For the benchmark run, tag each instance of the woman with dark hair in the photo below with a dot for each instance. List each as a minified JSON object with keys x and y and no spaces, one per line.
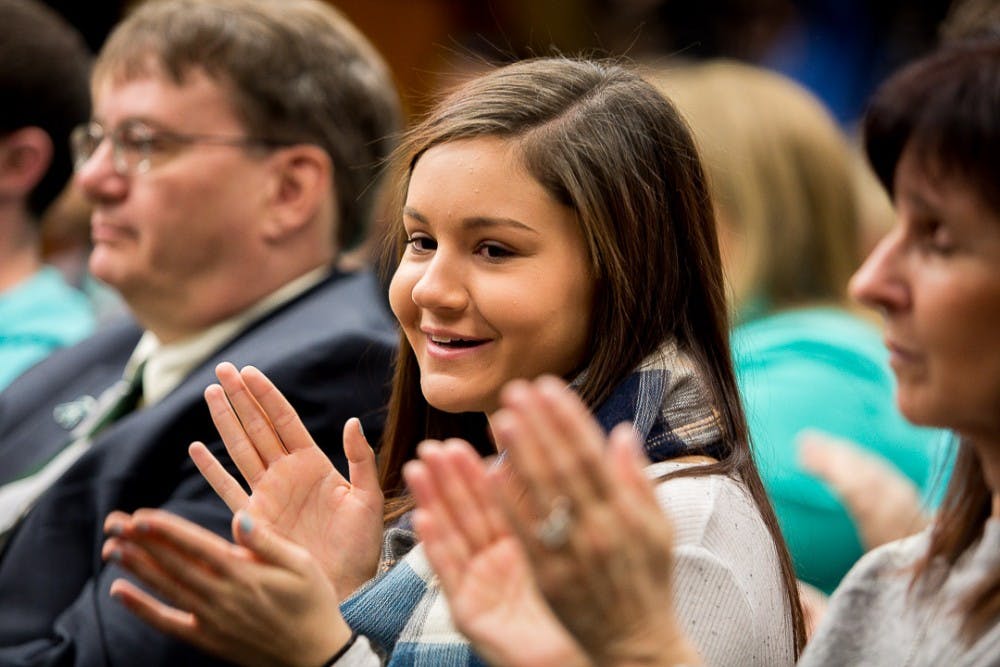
{"x":932,"y":134}
{"x":554,"y":220}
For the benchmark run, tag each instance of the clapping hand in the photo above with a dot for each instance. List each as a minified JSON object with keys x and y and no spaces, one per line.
{"x":294,"y":486}
{"x":266,"y":603}
{"x":599,"y":544}
{"x":480,"y":563}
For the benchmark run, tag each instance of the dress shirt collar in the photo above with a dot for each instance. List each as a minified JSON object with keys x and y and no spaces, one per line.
{"x":167,"y":365}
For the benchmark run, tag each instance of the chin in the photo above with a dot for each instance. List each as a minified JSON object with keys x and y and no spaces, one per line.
{"x":922,"y":410}
{"x":104,"y":269}
{"x":453,"y":398}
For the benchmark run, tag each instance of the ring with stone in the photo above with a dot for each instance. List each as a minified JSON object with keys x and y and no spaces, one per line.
{"x":553,"y":530}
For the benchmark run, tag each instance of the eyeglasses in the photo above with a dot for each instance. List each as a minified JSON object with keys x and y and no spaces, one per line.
{"x":136,"y":147}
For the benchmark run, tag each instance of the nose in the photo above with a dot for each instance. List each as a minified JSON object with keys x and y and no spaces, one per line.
{"x":881,"y":283}
{"x":98,"y":178}
{"x":441,"y":285}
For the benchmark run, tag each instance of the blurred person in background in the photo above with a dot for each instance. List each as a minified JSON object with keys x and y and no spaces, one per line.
{"x":785,"y":189}
{"x":44,"y":72}
{"x":233,"y":152}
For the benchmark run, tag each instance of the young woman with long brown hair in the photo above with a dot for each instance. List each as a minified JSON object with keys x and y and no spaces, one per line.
{"x":554,"y":220}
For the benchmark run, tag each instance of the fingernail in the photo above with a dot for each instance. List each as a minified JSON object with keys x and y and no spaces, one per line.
{"x":115,"y":555}
{"x":246,"y":523}
{"x":361,"y":429}
{"x":142,"y":527}
{"x":115,"y":530}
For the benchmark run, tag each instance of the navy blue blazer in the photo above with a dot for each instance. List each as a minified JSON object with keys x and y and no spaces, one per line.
{"x":329,"y":351}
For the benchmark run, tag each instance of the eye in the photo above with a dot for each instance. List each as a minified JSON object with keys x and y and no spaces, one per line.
{"x":494,"y":251}
{"x":421,"y":244}
{"x":934,"y":236}
{"x":139,"y":138}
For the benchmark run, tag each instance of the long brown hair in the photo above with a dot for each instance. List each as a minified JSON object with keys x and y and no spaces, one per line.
{"x":946,"y":108}
{"x":605,"y":143}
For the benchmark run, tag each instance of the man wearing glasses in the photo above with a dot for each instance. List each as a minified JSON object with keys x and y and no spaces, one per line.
{"x":231,"y":155}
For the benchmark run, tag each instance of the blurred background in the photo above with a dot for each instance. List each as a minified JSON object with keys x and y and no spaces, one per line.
{"x":839,"y":49}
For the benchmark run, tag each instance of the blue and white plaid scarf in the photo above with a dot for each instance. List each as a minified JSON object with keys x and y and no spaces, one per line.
{"x":402,"y":610}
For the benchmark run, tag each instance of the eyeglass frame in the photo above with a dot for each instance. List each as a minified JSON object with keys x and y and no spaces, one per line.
{"x":144,"y":147}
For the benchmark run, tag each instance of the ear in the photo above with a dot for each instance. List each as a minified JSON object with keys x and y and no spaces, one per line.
{"x":25,"y":156}
{"x":301,"y":190}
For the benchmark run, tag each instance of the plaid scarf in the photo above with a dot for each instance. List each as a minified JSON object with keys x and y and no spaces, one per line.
{"x":402,"y":611}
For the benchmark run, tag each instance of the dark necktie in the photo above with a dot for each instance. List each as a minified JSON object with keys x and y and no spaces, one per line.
{"x":129,"y":395}
{"x":19,"y":495}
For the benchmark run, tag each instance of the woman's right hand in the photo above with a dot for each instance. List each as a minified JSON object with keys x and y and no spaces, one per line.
{"x":294,"y":486}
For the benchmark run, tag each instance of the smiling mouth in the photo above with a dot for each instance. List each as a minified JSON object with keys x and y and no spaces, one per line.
{"x":456,"y":343}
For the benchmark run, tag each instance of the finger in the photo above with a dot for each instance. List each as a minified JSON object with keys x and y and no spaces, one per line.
{"x":552,"y":469}
{"x":166,"y":619}
{"x":635,"y":504}
{"x":841,"y":466}
{"x":582,"y":444}
{"x":182,"y":543}
{"x":224,"y":485}
{"x":519,"y":498}
{"x":254,"y":418}
{"x":627,"y":461}
{"x":234,"y":437}
{"x":280,"y":413}
{"x":470,"y":467}
{"x":445,"y":553}
{"x":360,"y":459}
{"x":149,"y":569}
{"x":455,"y":496}
{"x":117,"y":523}
{"x":428,"y":497}
{"x":268,"y":545}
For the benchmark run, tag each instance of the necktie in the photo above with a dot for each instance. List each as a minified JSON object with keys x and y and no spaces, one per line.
{"x":17,"y":497}
{"x":128,"y":394}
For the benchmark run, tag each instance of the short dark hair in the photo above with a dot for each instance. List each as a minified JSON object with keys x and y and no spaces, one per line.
{"x":44,"y":69}
{"x":298,"y":71}
{"x":946,"y":108}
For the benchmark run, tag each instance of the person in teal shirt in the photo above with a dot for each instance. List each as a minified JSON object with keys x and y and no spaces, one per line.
{"x":37,"y":317}
{"x":821,"y":369}
{"x":789,"y":201}
{"x":44,"y":83}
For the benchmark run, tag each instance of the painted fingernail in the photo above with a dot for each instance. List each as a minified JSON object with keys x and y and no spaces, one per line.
{"x":115,"y":555}
{"x":115,"y":530}
{"x":142,"y":527}
{"x":246,"y":523}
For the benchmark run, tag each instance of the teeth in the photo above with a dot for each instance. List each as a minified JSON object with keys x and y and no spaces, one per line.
{"x":437,"y":339}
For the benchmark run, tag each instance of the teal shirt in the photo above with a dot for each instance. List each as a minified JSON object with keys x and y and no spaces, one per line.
{"x":38,"y":316}
{"x":822,"y":369}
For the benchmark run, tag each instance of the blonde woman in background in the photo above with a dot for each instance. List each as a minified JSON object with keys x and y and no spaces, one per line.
{"x":788,"y":203}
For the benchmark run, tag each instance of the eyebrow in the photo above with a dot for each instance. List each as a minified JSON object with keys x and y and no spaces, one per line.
{"x":474,"y":222}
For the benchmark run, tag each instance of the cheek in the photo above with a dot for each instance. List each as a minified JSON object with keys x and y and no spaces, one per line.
{"x":559,"y":323}
{"x":400,"y":294}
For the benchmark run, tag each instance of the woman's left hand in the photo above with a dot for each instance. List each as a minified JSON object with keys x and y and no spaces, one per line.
{"x":481,"y":565}
{"x":266,"y":603}
{"x":599,"y":544}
